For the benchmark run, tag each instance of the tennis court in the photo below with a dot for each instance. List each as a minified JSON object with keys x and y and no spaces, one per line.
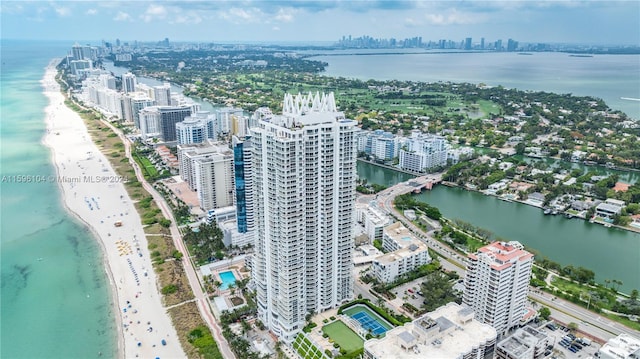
{"x":368,"y":320}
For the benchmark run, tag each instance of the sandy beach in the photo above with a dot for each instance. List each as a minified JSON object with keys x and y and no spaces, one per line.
{"x":96,"y":195}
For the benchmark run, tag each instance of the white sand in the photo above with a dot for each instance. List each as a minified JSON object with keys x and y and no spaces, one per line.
{"x":92,"y":191}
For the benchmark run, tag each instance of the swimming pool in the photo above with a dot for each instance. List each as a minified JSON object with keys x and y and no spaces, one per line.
{"x":368,"y":319}
{"x":227,"y":279}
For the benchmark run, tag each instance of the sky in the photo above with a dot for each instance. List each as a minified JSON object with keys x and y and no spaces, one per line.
{"x":561,"y":21}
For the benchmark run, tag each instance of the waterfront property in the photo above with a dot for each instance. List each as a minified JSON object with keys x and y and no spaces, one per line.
{"x":406,"y":253}
{"x":496,"y":271}
{"x":368,"y":320}
{"x":303,"y":194}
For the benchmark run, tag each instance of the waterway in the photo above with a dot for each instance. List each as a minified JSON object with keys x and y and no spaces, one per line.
{"x":613,"y":78}
{"x":611,"y":253}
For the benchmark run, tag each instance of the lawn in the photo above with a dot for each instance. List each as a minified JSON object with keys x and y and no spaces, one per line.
{"x":344,"y":336}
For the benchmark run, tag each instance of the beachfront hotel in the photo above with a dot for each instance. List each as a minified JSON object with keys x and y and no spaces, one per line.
{"x":448,"y":332}
{"x":304,"y":171}
{"x":497,"y":283}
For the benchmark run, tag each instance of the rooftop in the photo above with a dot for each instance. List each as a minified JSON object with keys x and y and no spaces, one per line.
{"x":447,"y":332}
{"x":502,"y":254}
{"x":400,"y":234}
{"x":623,"y":346}
{"x":412,"y":249}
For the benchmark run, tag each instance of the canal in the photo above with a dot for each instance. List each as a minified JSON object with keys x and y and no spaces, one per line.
{"x":610,"y":253}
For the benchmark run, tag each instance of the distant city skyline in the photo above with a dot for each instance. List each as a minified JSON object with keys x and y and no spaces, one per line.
{"x":568,"y":21}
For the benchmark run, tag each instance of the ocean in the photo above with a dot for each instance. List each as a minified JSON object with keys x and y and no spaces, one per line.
{"x":613,"y":78}
{"x":55,"y":300}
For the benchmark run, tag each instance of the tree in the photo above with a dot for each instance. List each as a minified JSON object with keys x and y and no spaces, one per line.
{"x":544,"y":313}
{"x":217,"y":285}
{"x":572,"y":326}
{"x":437,"y":291}
{"x":634,"y":295}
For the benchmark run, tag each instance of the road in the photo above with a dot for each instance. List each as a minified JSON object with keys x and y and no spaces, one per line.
{"x":593,"y":324}
{"x":201,"y":298}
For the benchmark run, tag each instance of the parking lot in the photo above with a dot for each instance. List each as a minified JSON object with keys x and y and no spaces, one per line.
{"x":568,"y":345}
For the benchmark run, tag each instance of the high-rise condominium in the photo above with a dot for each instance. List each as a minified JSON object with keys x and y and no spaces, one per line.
{"x":304,"y":171}
{"x":497,"y":283}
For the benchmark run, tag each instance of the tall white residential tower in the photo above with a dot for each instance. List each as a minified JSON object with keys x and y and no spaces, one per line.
{"x":304,"y":171}
{"x":497,"y":282}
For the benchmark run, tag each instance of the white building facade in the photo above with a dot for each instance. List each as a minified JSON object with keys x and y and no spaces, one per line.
{"x":304,"y":172}
{"x":406,"y":253}
{"x":373,"y":221}
{"x":423,"y":152}
{"x":497,"y":284}
{"x":214,"y":181}
{"x":624,"y":346}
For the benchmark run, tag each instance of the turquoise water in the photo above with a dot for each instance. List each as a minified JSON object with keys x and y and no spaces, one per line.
{"x":55,"y":297}
{"x":228,"y":279}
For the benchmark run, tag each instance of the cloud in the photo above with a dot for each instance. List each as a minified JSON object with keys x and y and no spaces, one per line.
{"x":190,"y":18}
{"x":11,"y":7}
{"x":122,"y":16}
{"x":154,"y":12}
{"x":244,"y":15}
{"x":91,"y":12}
{"x":455,"y":17}
{"x":62,"y":11}
{"x":285,"y":15}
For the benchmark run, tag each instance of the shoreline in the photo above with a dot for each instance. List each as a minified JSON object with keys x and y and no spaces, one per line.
{"x":91,"y":191}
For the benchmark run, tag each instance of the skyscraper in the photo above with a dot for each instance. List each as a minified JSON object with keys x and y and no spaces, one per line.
{"x":304,"y":171}
{"x":128,"y":82}
{"x":169,"y":117}
{"x":162,"y":94}
{"x":244,"y":183}
{"x":76,"y":51}
{"x":497,"y":283}
{"x":191,"y":130}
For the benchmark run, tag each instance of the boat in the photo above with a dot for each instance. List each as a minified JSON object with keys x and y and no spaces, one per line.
{"x":580,"y":55}
{"x":554,"y":212}
{"x":608,"y":225}
{"x":547,"y":211}
{"x":568,"y":215}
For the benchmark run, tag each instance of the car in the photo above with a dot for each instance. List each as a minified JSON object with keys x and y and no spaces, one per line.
{"x":571,"y":336}
{"x":410,"y":290}
{"x":419,"y":292}
{"x":551,"y":326}
{"x":572,"y":349}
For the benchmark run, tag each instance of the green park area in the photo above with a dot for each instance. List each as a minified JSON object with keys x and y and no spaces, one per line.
{"x":341,"y":334}
{"x":306,"y":349}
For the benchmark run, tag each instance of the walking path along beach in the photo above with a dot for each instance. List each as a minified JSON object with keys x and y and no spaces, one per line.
{"x":93,"y":192}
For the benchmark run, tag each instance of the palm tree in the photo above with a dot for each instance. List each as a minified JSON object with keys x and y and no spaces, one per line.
{"x":217,"y":285}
